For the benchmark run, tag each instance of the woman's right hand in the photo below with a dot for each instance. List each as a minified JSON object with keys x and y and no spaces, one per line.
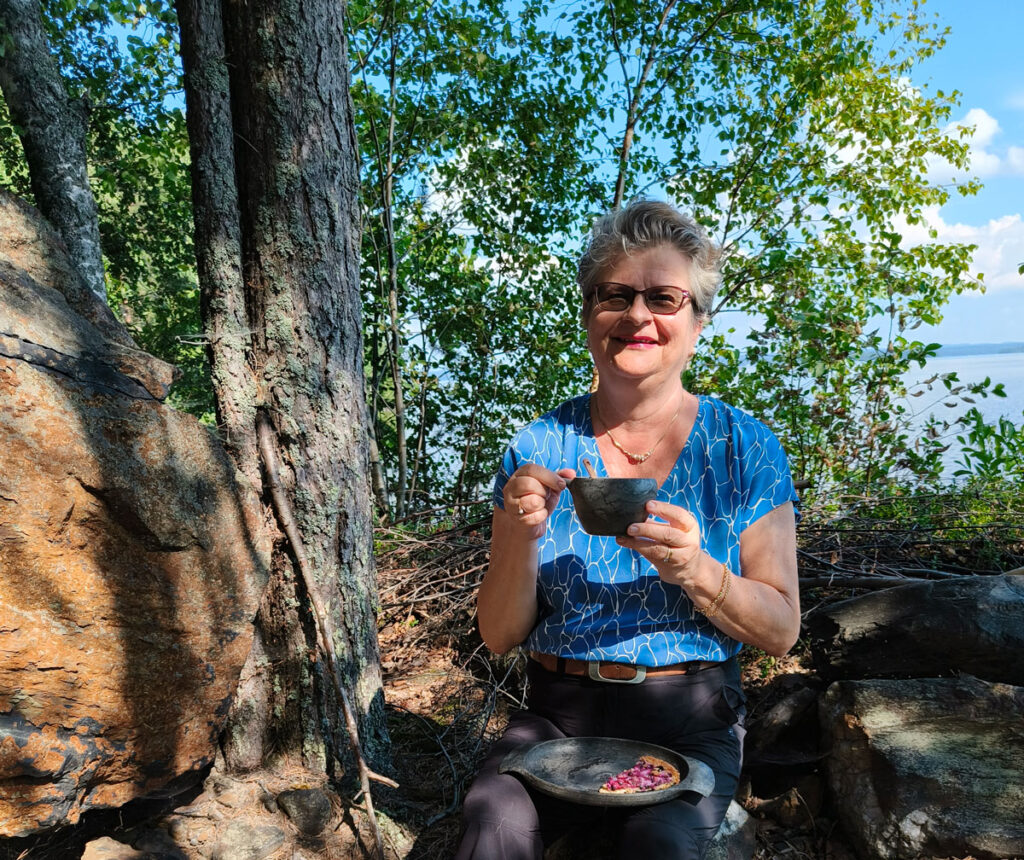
{"x":507,"y":600}
{"x":530,"y":495}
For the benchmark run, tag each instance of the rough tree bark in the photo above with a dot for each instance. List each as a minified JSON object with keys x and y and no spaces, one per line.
{"x":52,"y":129}
{"x":218,"y":241}
{"x":289,"y":346}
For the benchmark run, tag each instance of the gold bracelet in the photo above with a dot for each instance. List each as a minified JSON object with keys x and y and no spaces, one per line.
{"x":712,"y":608}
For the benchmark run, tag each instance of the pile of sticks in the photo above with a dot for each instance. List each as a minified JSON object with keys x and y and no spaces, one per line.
{"x":432,"y":573}
{"x":880,"y":542}
{"x":859,"y":543}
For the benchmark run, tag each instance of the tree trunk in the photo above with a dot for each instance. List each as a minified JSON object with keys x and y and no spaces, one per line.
{"x":632,"y":115}
{"x":377,"y":478}
{"x":394,"y":353}
{"x":52,"y":129}
{"x":218,"y":240}
{"x":421,"y":439}
{"x":297,"y":320}
{"x":395,"y":336}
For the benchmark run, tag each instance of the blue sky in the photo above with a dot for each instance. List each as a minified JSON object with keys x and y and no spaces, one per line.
{"x":981,"y":60}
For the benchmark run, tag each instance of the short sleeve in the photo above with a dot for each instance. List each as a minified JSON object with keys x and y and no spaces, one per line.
{"x":539,"y":442}
{"x":766,"y":478}
{"x":509,"y":463}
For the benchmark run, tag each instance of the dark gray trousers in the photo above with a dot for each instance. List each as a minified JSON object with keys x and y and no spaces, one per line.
{"x":699,"y":715}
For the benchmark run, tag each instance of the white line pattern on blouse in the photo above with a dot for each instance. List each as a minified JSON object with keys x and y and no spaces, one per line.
{"x":600,"y":601}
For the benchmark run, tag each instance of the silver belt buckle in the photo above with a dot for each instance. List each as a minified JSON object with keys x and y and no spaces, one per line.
{"x":594,"y":671}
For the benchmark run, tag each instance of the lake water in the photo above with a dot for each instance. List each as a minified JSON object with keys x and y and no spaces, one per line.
{"x":1007,"y":368}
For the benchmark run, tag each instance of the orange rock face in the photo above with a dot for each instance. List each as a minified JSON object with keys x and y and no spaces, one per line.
{"x":129,"y":573}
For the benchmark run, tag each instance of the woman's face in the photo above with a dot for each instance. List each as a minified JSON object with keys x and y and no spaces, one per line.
{"x":636,"y":343}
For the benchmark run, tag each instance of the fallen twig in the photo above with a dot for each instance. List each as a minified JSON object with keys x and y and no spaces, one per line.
{"x":265,"y":435}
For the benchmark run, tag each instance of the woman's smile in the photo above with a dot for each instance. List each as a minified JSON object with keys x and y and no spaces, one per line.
{"x":637,"y":341}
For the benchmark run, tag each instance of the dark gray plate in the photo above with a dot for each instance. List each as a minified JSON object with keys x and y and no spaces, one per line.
{"x":574,"y":769}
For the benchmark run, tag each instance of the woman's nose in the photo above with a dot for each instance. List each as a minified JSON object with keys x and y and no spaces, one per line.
{"x":638,"y":310}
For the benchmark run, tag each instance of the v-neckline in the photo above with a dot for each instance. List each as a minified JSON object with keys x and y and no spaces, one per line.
{"x":602,"y":469}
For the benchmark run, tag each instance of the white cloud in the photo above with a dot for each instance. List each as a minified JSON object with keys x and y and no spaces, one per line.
{"x":986,"y":159}
{"x":1000,"y":245}
{"x":1015,"y":159}
{"x":986,"y":126}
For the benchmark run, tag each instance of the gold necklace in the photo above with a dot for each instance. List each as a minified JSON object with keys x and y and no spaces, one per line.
{"x":636,"y":459}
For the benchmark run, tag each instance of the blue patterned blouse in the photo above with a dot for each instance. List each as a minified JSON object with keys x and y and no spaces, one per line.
{"x":600,"y":601}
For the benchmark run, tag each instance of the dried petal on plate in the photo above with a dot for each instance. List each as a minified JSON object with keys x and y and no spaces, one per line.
{"x":648,"y":774}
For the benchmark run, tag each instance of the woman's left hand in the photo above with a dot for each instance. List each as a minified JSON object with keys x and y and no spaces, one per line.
{"x":673,"y":546}
{"x":763,"y":606}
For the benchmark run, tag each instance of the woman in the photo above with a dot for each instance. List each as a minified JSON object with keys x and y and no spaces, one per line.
{"x":713,"y":566}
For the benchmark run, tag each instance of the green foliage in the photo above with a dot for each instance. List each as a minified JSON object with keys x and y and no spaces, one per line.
{"x":822,"y":150}
{"x":490,"y":136}
{"x":466,"y":177}
{"x":990,"y":451}
{"x":143,"y":192}
{"x":121,"y":59}
{"x":13,"y":167}
{"x":756,"y":664}
{"x":975,"y":526}
{"x":785,"y":127}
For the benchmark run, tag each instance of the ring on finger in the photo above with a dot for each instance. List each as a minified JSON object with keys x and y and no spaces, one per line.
{"x":519,"y":503}
{"x":668,"y":555}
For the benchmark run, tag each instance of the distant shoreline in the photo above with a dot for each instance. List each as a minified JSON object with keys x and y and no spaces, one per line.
{"x":1005,"y":348}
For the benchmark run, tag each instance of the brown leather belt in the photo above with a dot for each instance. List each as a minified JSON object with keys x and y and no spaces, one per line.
{"x":616,"y":673}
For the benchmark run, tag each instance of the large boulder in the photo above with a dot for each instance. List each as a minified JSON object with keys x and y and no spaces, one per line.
{"x":970,"y":624}
{"x":129,"y":571}
{"x":927,"y":767}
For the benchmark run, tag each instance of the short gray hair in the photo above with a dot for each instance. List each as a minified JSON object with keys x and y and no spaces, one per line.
{"x":643,"y":224}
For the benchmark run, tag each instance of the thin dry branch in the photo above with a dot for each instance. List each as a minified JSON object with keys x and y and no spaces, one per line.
{"x":286,"y":519}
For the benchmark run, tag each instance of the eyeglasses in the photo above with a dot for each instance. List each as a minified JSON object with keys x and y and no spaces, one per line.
{"x":659,"y":300}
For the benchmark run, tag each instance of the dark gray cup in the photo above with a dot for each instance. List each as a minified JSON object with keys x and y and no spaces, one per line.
{"x":608,"y":506}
